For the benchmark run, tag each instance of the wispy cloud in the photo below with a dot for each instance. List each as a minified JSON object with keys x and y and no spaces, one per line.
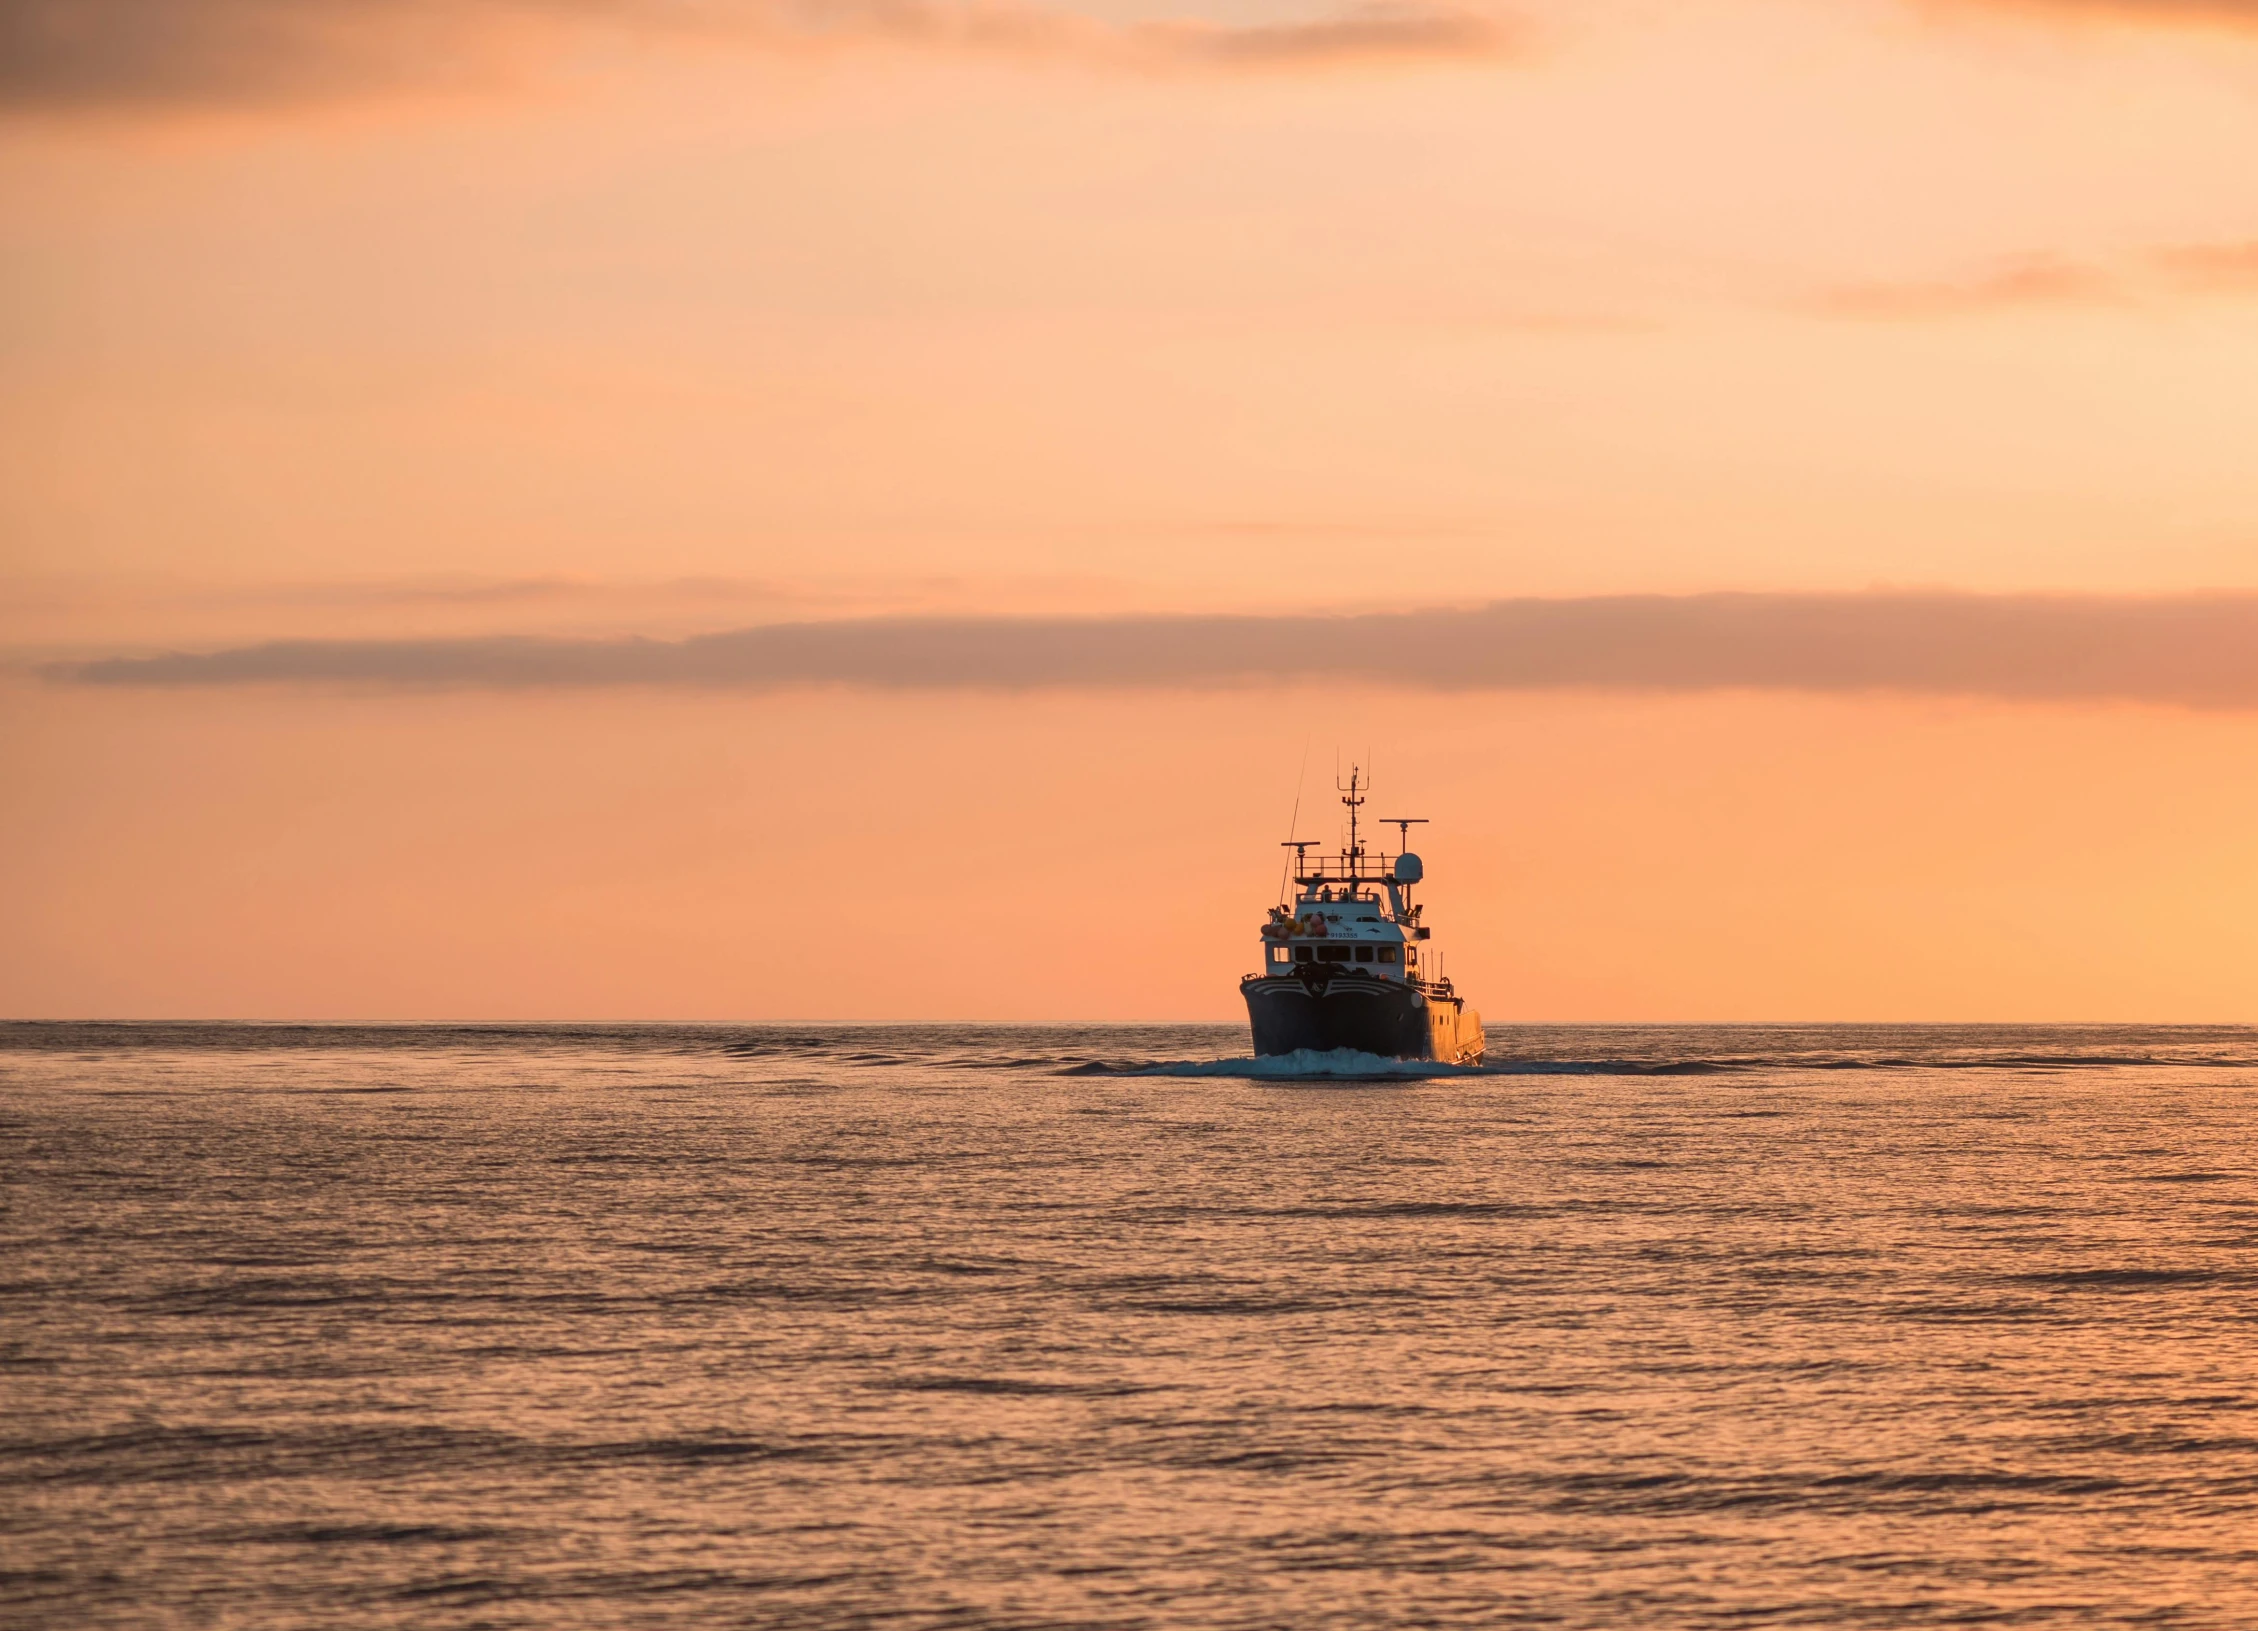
{"x":2218,"y":267}
{"x":1367,"y":34}
{"x":2221,"y":13}
{"x":2044,"y":280}
{"x":2191,"y":650}
{"x":88,"y":55}
{"x":2018,"y":282}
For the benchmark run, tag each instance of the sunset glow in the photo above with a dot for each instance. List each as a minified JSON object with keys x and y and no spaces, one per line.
{"x":1776,"y":483}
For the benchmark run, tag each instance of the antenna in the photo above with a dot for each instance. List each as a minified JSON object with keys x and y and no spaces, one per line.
{"x":1352,"y":796}
{"x":1403,"y":825}
{"x":1293,"y":826}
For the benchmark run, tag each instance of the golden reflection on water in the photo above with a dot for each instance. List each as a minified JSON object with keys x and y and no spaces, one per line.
{"x":933,"y":1328}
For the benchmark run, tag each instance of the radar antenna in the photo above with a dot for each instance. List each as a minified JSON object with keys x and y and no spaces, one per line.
{"x":1403,"y":825}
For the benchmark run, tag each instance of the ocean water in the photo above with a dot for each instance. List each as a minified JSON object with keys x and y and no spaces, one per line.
{"x":920,"y":1328}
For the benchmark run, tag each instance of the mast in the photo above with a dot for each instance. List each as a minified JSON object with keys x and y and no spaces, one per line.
{"x":1354,"y":799}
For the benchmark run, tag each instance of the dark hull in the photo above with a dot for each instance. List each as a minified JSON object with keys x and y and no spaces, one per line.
{"x":1355,"y":1010}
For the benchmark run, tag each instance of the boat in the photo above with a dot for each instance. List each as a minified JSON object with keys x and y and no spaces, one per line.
{"x":1346,"y":961}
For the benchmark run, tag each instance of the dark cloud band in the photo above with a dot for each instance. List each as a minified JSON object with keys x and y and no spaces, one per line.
{"x":2195,"y":650}
{"x":84,"y":55}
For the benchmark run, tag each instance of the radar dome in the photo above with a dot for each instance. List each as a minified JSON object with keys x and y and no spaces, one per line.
{"x":1408,"y":869}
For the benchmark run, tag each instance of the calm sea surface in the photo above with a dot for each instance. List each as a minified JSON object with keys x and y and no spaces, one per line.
{"x":922,"y":1328}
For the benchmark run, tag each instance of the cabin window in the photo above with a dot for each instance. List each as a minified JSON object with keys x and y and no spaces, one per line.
{"x":1333,"y":954}
{"x":1279,"y":954}
{"x":1305,"y":954}
{"x":1364,"y":954}
{"x":1387,"y":954}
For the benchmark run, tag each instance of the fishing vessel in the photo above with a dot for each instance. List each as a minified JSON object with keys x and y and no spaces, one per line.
{"x":1346,"y":961}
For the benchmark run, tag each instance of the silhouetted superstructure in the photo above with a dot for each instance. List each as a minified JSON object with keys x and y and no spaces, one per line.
{"x":1346,"y":963}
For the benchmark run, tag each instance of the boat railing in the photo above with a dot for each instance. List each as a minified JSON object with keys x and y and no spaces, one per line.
{"x":1373,"y":866}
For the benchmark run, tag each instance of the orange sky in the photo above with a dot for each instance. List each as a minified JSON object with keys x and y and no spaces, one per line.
{"x":387,"y":320}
